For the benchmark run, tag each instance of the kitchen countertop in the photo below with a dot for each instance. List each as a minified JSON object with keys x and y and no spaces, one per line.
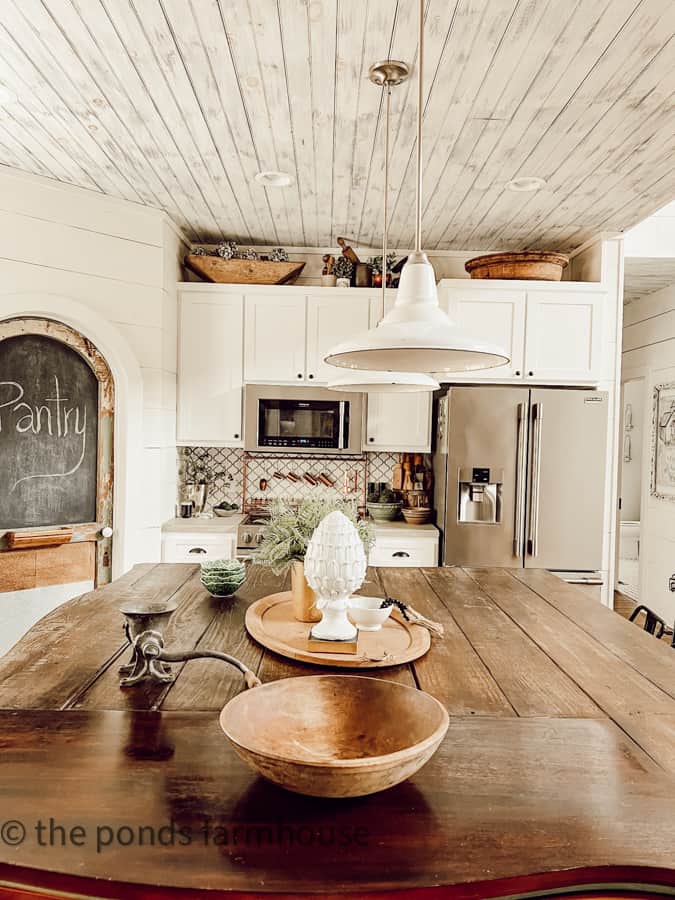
{"x":557,"y":769}
{"x":228,"y":525}
{"x":194,"y":525}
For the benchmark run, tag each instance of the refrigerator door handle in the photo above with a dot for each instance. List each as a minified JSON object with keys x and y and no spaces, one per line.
{"x":521,"y":470}
{"x":537,"y":417}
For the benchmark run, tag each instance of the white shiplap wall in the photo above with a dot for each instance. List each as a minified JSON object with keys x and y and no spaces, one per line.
{"x":649,"y":353}
{"x":119,"y":261}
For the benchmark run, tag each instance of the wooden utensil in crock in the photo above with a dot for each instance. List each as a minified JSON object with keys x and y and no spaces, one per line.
{"x":335,"y":735}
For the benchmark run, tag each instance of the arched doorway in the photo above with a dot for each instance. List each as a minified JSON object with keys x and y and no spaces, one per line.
{"x":57,"y":401}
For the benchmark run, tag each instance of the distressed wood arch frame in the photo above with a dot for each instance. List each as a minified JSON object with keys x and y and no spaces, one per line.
{"x":85,"y":531}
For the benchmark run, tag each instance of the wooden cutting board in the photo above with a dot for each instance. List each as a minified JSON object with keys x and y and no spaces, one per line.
{"x":270,"y":621}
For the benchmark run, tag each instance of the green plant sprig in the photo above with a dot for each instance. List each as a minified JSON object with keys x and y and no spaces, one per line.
{"x":286,"y":537}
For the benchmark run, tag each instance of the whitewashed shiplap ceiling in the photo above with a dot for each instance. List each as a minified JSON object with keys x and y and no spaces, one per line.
{"x":645,"y":275}
{"x":178,"y":103}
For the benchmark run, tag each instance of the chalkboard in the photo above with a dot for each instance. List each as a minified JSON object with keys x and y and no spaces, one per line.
{"x":48,"y":434}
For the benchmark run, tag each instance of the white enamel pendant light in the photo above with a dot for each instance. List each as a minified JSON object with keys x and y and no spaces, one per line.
{"x":416,"y":335}
{"x":384,"y":74}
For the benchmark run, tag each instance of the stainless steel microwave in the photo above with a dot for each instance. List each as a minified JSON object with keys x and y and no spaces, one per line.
{"x":301,"y":420}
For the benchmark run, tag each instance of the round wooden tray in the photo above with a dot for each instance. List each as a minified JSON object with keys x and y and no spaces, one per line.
{"x":270,"y":622}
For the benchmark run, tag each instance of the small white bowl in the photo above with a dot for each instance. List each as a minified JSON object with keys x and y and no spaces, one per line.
{"x":367,"y":614}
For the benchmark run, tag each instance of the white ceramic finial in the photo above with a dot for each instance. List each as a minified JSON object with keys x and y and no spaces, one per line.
{"x":335,"y":566}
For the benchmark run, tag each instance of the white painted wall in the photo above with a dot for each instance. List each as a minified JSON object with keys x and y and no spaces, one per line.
{"x":654,"y":237}
{"x":649,"y":353}
{"x":108,"y":268}
{"x":632,"y":439}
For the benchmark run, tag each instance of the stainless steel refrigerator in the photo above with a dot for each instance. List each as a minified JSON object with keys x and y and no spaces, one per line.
{"x":520,"y":477}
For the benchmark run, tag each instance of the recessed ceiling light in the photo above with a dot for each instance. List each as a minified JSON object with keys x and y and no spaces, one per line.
{"x":525,"y":183}
{"x":274,"y":179}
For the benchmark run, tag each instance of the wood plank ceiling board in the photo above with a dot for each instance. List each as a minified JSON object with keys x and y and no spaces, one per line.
{"x":177,"y":104}
{"x":439,"y":18}
{"x":645,"y":275}
{"x":605,"y":105}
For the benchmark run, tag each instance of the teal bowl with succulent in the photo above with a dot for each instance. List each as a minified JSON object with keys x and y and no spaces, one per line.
{"x":222,"y":577}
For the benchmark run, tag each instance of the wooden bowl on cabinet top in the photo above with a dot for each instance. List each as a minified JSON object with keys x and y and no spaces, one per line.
{"x":335,"y":735}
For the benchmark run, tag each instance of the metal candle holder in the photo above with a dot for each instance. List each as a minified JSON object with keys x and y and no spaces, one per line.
{"x":146,"y":621}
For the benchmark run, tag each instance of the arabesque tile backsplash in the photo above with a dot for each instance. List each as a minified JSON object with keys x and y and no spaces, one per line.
{"x":238,"y":477}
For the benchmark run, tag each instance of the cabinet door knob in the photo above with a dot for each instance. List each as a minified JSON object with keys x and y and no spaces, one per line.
{"x":530,"y":374}
{"x":371,"y":440}
{"x":299,"y":374}
{"x":236,"y":437}
{"x":518,"y":372}
{"x":311,"y":376}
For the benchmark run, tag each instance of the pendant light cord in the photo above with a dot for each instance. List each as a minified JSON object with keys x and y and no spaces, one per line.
{"x":420,"y":67}
{"x":386,"y":87}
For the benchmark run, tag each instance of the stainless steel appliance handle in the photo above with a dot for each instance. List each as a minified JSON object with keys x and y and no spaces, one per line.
{"x":521,"y":469}
{"x":341,"y":435}
{"x":537,"y":417}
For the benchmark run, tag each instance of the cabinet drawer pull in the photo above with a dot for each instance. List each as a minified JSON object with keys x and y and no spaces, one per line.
{"x":401,"y":553}
{"x":197,"y":550}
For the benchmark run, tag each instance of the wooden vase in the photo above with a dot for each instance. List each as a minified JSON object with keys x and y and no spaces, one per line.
{"x":304,"y":598}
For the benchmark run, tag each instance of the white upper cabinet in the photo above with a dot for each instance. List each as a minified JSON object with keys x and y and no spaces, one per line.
{"x":498,"y":317}
{"x":552,"y":332}
{"x":210,"y":369}
{"x":275,"y":338}
{"x":331,"y":319}
{"x":398,"y":422}
{"x":564,"y":339}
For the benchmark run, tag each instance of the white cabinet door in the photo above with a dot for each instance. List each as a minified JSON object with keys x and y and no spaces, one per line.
{"x":564,"y":336}
{"x":497,"y":316}
{"x":331,"y":319}
{"x":210,"y":369}
{"x":398,"y":422}
{"x":275,"y":338}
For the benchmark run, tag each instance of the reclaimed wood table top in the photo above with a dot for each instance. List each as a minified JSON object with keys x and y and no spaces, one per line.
{"x":557,"y":768}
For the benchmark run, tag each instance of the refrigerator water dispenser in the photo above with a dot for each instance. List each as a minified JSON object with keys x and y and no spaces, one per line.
{"x":480,"y":496}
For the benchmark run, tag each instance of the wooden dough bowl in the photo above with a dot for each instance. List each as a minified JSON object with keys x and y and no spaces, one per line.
{"x":530,"y":265}
{"x":335,"y":735}
{"x":243,"y":271}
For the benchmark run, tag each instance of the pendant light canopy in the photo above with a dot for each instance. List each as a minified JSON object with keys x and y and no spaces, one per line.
{"x":416,"y":335}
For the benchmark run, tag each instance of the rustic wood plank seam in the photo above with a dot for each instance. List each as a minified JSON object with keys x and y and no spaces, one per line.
{"x":375,"y":572}
{"x":528,"y":637}
{"x":634,"y":740}
{"x":494,"y":681}
{"x":264,"y":652}
{"x":581,"y":625}
{"x":474,"y":648}
{"x":76,"y":600}
{"x":81,"y":691}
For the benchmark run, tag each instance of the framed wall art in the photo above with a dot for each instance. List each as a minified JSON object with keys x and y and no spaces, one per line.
{"x":663,"y":442}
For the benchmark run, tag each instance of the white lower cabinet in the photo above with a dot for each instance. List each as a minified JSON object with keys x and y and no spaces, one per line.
{"x":404,"y":549}
{"x":197,"y":548}
{"x":398,"y":423}
{"x":210,"y":369}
